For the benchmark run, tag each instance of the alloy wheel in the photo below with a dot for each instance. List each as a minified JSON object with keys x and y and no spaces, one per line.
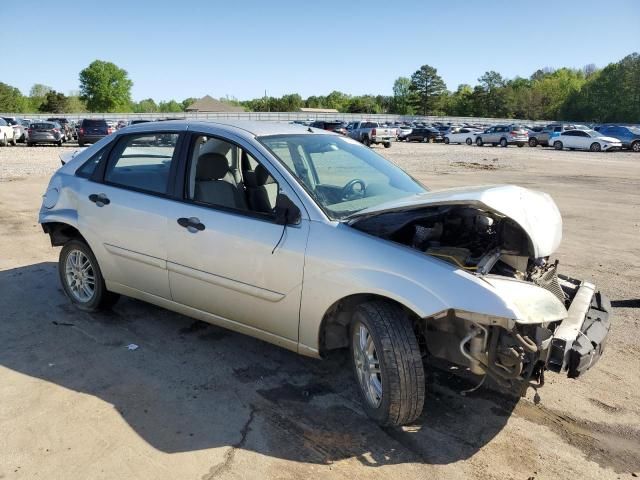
{"x":80,"y":276}
{"x":367,"y":365}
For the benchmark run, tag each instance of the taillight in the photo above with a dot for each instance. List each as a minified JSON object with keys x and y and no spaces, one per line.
{"x":82,"y":131}
{"x":373,"y":132}
{"x":29,"y":131}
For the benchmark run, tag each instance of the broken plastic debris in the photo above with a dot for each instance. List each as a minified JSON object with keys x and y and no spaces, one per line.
{"x":132,"y":346}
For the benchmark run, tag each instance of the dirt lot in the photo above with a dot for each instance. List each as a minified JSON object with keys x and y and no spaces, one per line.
{"x":198,"y":402}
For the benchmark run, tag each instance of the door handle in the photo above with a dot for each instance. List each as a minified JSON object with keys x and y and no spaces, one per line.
{"x":100,"y":199}
{"x":192,"y":224}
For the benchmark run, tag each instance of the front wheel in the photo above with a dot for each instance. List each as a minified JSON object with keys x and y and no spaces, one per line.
{"x":635,"y":146}
{"x":468,"y":141}
{"x":387,"y":363}
{"x":479,"y":141}
{"x":446,"y":140}
{"x":533,"y":142}
{"x":595,"y":147}
{"x":557,"y":145}
{"x":82,"y":279}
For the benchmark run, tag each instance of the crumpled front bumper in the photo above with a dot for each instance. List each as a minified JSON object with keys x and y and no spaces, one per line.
{"x":579,"y":341}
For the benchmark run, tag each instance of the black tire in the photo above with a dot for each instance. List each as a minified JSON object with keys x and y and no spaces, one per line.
{"x":533,"y":142}
{"x":468,"y":141}
{"x":557,"y":145}
{"x":80,"y":143}
{"x":503,"y":143}
{"x":520,"y":145}
{"x":635,"y":146}
{"x":479,"y":142}
{"x":30,"y":144}
{"x":59,"y":143}
{"x":595,"y":147}
{"x":387,"y":144}
{"x":446,"y":140}
{"x":102,"y":298}
{"x":366,"y":142}
{"x":401,"y":372}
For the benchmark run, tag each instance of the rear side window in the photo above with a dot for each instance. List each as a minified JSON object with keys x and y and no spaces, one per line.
{"x":93,"y":123}
{"x":90,"y":165}
{"x":142,"y":162}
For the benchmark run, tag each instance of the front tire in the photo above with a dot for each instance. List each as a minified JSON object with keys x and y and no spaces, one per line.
{"x":387,"y":363}
{"x":446,"y":140}
{"x":557,"y":145}
{"x":635,"y":146}
{"x":479,"y":141}
{"x":82,"y":279}
{"x":468,"y":141}
{"x":533,"y":142}
{"x":595,"y":147}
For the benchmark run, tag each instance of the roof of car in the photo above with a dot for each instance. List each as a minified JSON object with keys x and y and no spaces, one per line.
{"x":242,"y":127}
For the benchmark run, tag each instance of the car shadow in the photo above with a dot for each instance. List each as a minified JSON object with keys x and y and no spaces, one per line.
{"x":626,"y":303}
{"x":189,"y":385}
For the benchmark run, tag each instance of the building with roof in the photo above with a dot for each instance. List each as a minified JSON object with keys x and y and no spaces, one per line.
{"x":209,"y":104}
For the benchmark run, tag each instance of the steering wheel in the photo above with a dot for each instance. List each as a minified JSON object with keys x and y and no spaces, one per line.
{"x":348,"y":192}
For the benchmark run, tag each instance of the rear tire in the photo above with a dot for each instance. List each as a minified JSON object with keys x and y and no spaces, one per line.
{"x":366,"y":142}
{"x":595,"y":147}
{"x":520,"y":145}
{"x":503,"y":142}
{"x":533,"y":142}
{"x":96,"y":297}
{"x":446,"y":140}
{"x":387,"y":363}
{"x":558,"y":145}
{"x":387,"y":144}
{"x":468,"y":141}
{"x":80,"y":143}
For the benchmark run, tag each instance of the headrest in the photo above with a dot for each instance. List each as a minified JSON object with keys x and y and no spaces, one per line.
{"x":262,"y":176}
{"x":212,"y":166}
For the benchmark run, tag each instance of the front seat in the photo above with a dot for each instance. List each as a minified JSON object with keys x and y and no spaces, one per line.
{"x":262,"y":190}
{"x":215,"y":184}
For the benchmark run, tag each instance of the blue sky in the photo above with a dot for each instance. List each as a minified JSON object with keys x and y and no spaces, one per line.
{"x":192,"y":48}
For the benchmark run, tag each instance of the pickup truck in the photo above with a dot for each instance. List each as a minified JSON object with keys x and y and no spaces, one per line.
{"x":371,"y":133}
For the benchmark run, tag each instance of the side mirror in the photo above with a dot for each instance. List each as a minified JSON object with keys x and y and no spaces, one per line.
{"x":287,"y":212}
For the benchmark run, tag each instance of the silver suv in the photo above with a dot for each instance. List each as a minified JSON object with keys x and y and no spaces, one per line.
{"x":503,"y":135}
{"x":311,"y":241}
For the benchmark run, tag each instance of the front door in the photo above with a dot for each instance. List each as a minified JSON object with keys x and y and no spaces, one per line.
{"x":226,"y":254}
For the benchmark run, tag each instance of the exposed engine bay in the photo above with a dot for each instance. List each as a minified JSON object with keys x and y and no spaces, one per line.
{"x":483,"y":242}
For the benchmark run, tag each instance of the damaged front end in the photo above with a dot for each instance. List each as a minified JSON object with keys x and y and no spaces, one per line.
{"x":504,"y":236}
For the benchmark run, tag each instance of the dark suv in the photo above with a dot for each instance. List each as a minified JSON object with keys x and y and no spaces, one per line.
{"x":424,"y":134}
{"x":91,"y":130}
{"x":629,"y":136}
{"x":336,"y":126}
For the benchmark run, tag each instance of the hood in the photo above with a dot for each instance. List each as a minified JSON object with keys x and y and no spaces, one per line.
{"x":535,"y":212}
{"x":609,"y":139}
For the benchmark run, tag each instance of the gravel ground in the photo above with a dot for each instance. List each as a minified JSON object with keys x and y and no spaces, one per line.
{"x":195,"y":401}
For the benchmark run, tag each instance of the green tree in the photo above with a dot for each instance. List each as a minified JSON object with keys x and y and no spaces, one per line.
{"x":12,"y":100}
{"x":187,"y":102}
{"x":55,"y":102}
{"x":402,"y":96}
{"x":105,"y":87}
{"x":492,"y":84}
{"x":75,"y":105}
{"x":170,"y":107}
{"x":427,"y":86}
{"x":148,"y":105}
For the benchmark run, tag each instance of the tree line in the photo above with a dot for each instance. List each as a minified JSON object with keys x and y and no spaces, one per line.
{"x":610,"y":94}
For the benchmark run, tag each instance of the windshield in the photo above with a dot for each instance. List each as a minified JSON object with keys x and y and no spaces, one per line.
{"x":635,"y":130}
{"x":342,"y":175}
{"x":593,"y":133}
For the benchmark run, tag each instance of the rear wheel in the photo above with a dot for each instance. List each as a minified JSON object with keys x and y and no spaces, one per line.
{"x":520,"y":145}
{"x":82,"y":279}
{"x":533,"y":142}
{"x":557,"y":145}
{"x":468,"y":141}
{"x":479,"y":141}
{"x":366,"y":141}
{"x":387,"y":144}
{"x":387,"y":363}
{"x":59,"y":143}
{"x":595,"y":147}
{"x":80,"y":143}
{"x":503,"y":142}
{"x":446,"y":140}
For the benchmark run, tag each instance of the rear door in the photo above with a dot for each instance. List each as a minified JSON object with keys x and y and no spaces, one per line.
{"x":123,"y":210}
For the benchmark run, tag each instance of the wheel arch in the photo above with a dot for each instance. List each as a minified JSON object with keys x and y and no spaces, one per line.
{"x":334,"y":327}
{"x":61,"y":232}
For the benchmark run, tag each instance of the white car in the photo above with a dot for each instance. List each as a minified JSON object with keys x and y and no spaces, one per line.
{"x":463,"y":135}
{"x":7,"y":134}
{"x":585,"y":140}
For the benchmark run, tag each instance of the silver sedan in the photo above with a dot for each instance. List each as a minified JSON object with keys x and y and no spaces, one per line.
{"x":313,"y":242}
